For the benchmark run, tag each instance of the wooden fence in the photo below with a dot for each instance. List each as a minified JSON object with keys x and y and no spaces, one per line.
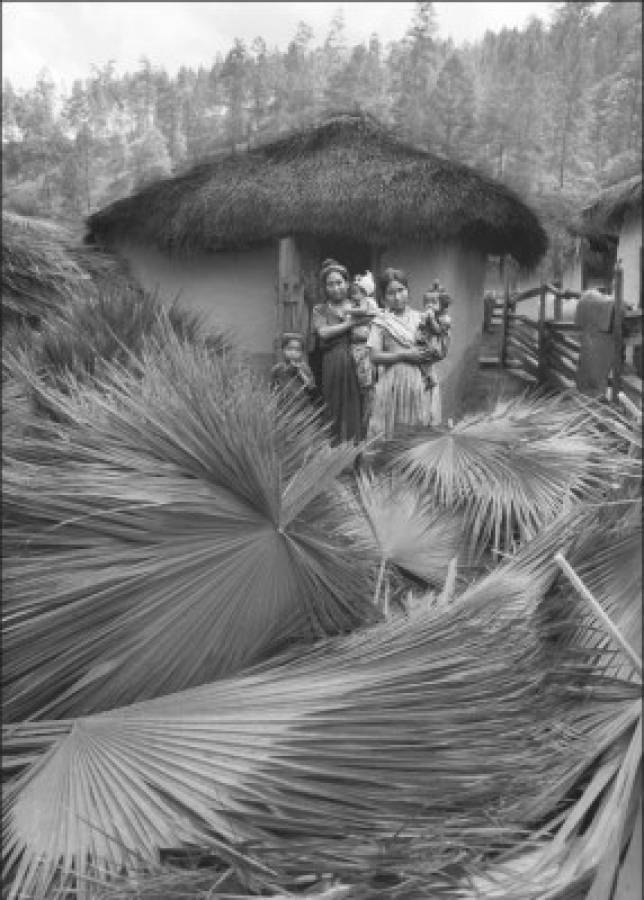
{"x":545,"y":350}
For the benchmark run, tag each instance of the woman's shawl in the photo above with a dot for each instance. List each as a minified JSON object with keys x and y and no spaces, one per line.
{"x":403,"y":331}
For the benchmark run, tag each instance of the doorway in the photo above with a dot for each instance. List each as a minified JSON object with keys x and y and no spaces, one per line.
{"x":357,"y":256}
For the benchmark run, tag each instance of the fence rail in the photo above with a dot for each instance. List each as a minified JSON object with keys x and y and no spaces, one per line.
{"x":546,"y":350}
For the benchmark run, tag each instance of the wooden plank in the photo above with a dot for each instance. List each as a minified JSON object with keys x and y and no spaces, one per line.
{"x":528,"y":337}
{"x":290,"y":287}
{"x":525,"y":376}
{"x":527,"y":295}
{"x":525,"y":320}
{"x":523,"y":347}
{"x":506,"y":311}
{"x":561,"y":353}
{"x":617,"y":331}
{"x":564,"y":326}
{"x":531,"y":366}
{"x":564,"y":348}
{"x":561,"y":381}
{"x":561,"y":365}
{"x":632,"y":387}
{"x":563,"y":339}
{"x":543,"y":335}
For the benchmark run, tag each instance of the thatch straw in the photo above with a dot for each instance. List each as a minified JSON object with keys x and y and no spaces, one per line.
{"x":604,"y":216}
{"x":408,"y":752}
{"x":349,"y":177}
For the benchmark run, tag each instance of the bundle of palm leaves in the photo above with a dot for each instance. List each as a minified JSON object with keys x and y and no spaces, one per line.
{"x":38,"y":273}
{"x":414,"y":749}
{"x":110,"y":326}
{"x":176,"y":524}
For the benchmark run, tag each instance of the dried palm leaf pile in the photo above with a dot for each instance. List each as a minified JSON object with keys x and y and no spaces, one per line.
{"x":38,"y":273}
{"x":193,"y":659}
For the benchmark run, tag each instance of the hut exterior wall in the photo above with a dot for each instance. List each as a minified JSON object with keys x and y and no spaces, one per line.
{"x":462,"y":272}
{"x":629,"y":250}
{"x":571,"y":277}
{"x":233,"y":291}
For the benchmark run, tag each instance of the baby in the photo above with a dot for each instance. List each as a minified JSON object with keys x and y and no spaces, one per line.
{"x":363,"y":309}
{"x":293,"y":371}
{"x":434,"y":330}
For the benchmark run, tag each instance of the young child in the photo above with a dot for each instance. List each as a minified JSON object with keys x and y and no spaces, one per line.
{"x":434,"y":330}
{"x":293,"y":372}
{"x":363,"y":308}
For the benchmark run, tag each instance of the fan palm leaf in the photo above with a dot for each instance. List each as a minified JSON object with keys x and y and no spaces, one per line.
{"x":170,"y":531}
{"x":603,"y":543}
{"x":407,"y":747}
{"x":409,"y":533}
{"x":513,"y":471}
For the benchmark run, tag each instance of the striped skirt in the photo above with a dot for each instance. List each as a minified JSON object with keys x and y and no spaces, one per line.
{"x":401,"y":400}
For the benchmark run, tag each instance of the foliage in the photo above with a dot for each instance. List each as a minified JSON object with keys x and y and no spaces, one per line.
{"x":332,"y":759}
{"x":39,"y":275}
{"x":174,"y":527}
{"x":179,"y":523}
{"x":512,"y":471}
{"x":410,"y":534}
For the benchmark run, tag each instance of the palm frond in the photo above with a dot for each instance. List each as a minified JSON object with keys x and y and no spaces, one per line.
{"x":412,"y":749}
{"x":410,"y":533}
{"x":39,"y":276}
{"x":176,"y":525}
{"x":110,"y":327}
{"x":515,"y":470}
{"x":604,"y":545}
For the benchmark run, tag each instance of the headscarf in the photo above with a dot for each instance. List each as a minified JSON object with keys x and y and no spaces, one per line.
{"x":292,"y":336}
{"x":390,"y":274}
{"x":332,"y":265}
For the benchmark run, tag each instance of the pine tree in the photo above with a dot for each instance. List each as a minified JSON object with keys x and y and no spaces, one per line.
{"x":234,"y":76}
{"x":414,"y":66}
{"x":453,"y":109}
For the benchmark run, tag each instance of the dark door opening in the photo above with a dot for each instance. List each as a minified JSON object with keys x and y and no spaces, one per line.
{"x":357,"y":256}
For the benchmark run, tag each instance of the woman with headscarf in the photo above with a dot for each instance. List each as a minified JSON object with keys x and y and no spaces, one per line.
{"x":331,"y":324}
{"x":402,"y":399}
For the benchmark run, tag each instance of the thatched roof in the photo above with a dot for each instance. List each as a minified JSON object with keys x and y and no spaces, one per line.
{"x":347,"y":178}
{"x":45,"y":266}
{"x":604,"y":216}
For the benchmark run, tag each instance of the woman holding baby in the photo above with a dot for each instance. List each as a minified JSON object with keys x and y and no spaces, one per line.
{"x":406,"y":396}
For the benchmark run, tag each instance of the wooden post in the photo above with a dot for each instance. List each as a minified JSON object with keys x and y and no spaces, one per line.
{"x":618,"y":340}
{"x":290,"y":290}
{"x":542,"y":337}
{"x":506,"y":313}
{"x":582,"y":265}
{"x":558,"y":307}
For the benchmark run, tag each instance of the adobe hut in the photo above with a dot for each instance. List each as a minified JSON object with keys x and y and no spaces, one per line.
{"x":242,"y":236}
{"x":615,"y":216}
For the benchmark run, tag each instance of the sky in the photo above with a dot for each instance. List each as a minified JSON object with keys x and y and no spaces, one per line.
{"x":67,"y":38}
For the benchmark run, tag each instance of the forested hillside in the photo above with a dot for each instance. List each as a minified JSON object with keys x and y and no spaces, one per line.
{"x":555,"y":110}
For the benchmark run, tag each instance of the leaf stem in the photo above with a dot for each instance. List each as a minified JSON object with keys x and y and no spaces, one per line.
{"x":606,"y":621}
